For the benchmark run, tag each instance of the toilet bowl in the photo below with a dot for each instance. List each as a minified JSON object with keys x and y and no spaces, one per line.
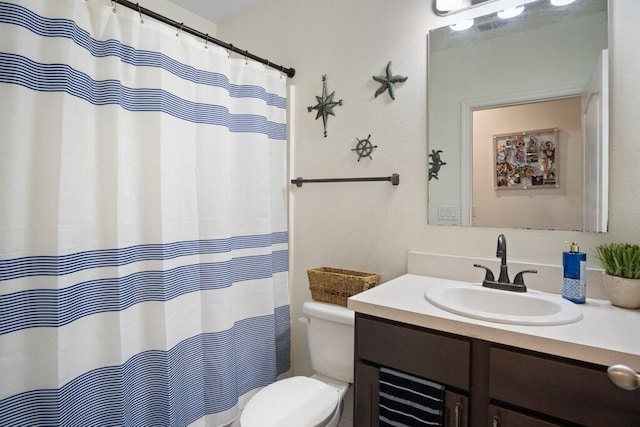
{"x":297,"y":402}
{"x":317,"y":400}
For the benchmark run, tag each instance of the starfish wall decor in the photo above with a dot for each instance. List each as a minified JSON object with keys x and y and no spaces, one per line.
{"x":325,"y":104}
{"x":388,"y":82}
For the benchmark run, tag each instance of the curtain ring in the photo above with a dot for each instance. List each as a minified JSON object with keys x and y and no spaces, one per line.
{"x":229,"y":50}
{"x":140,"y":13}
{"x":179,"y":29}
{"x":246,"y":61}
{"x":206,"y":41}
{"x":114,"y":3}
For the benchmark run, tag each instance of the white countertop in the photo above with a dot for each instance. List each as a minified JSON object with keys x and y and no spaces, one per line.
{"x":606,"y":335}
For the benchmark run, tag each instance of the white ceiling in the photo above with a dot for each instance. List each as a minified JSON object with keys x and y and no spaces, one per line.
{"x":216,"y":11}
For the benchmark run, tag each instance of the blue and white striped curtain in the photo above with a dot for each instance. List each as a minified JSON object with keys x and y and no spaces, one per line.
{"x":143,"y":228}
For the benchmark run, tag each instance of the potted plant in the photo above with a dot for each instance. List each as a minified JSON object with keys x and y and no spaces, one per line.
{"x":621,"y":263}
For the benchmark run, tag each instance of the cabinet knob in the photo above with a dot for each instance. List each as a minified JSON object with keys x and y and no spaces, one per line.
{"x":624,"y":377}
{"x":496,"y":421}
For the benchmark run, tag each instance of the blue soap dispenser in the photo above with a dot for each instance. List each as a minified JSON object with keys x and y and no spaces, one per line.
{"x":574,"y":282}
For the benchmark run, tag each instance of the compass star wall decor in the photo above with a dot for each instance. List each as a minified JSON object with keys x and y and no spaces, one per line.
{"x":388,"y":82}
{"x":325,"y":104}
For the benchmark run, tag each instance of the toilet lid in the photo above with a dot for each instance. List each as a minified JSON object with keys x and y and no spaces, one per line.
{"x":295,"y":401}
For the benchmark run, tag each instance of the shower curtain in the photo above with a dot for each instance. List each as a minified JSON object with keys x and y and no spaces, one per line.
{"x":143,"y":228}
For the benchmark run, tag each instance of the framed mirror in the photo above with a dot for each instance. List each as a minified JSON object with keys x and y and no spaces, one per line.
{"x":544,"y":69}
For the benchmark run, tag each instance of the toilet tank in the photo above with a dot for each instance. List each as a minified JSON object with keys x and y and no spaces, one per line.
{"x":330,"y":333}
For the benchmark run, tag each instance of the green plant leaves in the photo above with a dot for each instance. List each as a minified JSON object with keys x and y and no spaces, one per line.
{"x":620,"y":259}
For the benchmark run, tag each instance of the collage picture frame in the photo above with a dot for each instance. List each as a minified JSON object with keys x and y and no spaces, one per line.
{"x":526,"y":160}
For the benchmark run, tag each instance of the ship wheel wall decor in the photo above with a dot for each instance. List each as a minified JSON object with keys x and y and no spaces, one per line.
{"x":364,"y":148}
{"x":325,"y":104}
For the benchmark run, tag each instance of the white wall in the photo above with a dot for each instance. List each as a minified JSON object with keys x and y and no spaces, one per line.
{"x":174,"y":12}
{"x":371,"y":226}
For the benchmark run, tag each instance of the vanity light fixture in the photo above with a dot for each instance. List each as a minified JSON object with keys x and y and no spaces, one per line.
{"x":469,"y":9}
{"x":511,"y":13}
{"x":561,"y":2}
{"x":462,"y":25}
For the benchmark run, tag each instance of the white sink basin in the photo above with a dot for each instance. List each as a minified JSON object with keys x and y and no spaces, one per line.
{"x":526,"y":308}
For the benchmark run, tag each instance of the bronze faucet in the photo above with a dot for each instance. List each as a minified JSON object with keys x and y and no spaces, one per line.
{"x":503,"y":281}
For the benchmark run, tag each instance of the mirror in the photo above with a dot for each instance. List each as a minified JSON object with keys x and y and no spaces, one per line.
{"x":500,"y":94}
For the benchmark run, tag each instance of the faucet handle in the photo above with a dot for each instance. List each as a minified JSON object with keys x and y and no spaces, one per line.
{"x":519,"y":280}
{"x":488,"y":275}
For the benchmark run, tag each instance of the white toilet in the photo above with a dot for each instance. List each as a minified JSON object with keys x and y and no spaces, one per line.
{"x":316,"y":400}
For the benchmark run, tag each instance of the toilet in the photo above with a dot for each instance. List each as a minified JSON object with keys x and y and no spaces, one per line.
{"x":317,"y":400}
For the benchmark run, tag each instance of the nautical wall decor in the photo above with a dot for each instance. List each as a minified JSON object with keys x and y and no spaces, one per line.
{"x":435,"y":164}
{"x":364,"y":148}
{"x":388,"y":81}
{"x":325,"y":104}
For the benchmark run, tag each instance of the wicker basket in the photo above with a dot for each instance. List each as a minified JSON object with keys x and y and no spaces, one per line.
{"x":335,"y":285}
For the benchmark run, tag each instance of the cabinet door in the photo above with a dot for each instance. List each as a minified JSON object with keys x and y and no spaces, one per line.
{"x":366,"y":390}
{"x":456,"y":410}
{"x":500,"y":417}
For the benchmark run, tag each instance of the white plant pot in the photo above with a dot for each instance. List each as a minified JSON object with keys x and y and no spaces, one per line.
{"x":622,"y":292}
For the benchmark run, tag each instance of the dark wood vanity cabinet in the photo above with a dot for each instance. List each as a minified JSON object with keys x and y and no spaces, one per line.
{"x":565,"y":389}
{"x":409,"y":349}
{"x":488,"y":384}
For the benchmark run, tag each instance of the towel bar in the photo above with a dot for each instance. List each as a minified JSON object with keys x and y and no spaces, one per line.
{"x":394,"y":179}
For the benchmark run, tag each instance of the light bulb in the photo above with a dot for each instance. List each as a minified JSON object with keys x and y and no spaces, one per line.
{"x":446,"y":5}
{"x":511,"y":13}
{"x":462,"y":25}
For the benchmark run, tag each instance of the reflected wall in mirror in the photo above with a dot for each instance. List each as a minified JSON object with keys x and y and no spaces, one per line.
{"x":546,"y":68}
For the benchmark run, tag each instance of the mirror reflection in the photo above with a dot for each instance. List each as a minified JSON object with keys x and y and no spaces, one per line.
{"x":518,"y":111}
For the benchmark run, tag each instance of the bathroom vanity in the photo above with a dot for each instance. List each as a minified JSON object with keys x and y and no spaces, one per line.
{"x":496,"y":374}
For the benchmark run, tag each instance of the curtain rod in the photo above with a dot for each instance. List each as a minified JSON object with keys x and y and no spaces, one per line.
{"x":290,"y":72}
